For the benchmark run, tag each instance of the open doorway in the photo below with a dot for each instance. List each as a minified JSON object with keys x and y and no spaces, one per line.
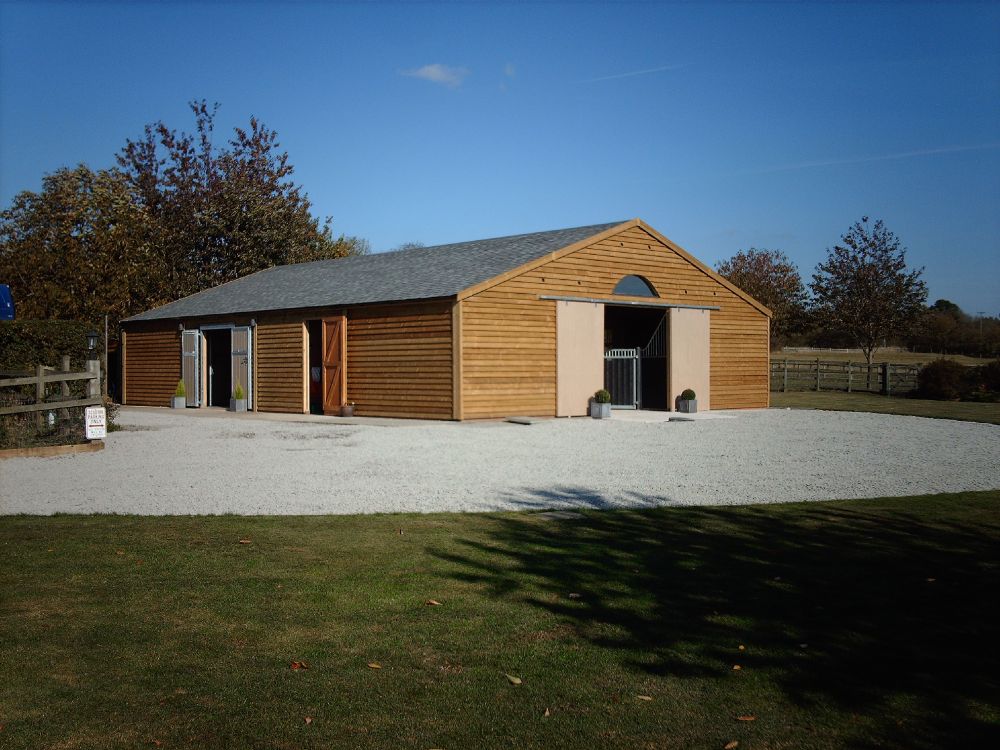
{"x":314,"y":328}
{"x":218,"y":358}
{"x":635,"y":345}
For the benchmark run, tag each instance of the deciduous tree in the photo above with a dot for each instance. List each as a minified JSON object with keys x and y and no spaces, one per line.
{"x":79,"y":248}
{"x":223,"y":212}
{"x":180,"y":215}
{"x":865,"y":288}
{"x":771,"y":278}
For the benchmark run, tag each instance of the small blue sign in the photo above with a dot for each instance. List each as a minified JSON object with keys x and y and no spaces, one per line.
{"x":6,"y":303}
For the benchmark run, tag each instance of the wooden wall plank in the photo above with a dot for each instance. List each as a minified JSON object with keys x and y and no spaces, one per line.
{"x":400,"y":360}
{"x":508,"y":335}
{"x":281,"y":357}
{"x":152,"y":364}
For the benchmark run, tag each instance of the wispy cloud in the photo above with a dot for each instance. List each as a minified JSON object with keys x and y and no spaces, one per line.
{"x":446,"y":75}
{"x":509,"y":72}
{"x":874,"y":157}
{"x":631,"y":73}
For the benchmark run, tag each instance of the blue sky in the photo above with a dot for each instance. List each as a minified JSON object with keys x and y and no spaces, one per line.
{"x":725,"y":126}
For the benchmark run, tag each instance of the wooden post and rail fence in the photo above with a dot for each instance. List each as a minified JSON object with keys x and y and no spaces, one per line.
{"x":41,"y":379}
{"x":824,"y":375}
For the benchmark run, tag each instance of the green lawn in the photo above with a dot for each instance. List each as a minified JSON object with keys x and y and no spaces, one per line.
{"x":862,"y":624}
{"x":968,"y":411}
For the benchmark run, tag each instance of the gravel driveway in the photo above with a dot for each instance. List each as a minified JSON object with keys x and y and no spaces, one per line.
{"x":168,"y":463}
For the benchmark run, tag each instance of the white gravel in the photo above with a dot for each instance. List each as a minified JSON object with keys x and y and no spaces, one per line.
{"x":168,"y":463}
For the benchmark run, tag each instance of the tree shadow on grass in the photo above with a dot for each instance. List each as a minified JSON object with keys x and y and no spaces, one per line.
{"x":889,"y":613}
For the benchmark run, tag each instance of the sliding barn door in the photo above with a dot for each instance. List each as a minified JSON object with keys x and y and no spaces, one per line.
{"x":334,"y":364}
{"x":242,"y":366}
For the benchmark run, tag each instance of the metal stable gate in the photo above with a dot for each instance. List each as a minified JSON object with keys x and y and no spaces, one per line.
{"x":621,"y":377}
{"x":623,"y":370}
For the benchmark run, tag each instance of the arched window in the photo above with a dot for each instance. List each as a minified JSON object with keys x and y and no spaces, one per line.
{"x":635,"y":286}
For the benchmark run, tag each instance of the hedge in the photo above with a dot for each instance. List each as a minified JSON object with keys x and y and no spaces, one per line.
{"x":26,"y":343}
{"x":946,"y":380}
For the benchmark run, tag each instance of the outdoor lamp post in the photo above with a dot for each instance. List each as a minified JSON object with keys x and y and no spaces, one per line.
{"x":92,"y":338}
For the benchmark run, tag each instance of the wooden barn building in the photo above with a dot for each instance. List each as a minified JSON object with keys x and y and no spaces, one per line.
{"x":529,"y":325}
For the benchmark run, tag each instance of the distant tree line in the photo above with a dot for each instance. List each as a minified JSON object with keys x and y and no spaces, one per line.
{"x":862,"y":295}
{"x":178,"y":214}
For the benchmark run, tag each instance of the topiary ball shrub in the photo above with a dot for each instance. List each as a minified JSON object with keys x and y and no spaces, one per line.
{"x":688,"y":395}
{"x":942,"y":380}
{"x":602,"y":396}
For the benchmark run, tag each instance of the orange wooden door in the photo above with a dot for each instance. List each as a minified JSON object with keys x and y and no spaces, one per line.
{"x":334,"y":364}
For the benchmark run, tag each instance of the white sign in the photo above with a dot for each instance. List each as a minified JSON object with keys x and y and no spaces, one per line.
{"x":96,"y":420}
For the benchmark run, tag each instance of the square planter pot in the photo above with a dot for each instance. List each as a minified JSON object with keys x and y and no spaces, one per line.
{"x":600,"y":411}
{"x":689,"y":407}
{"x":178,"y":402}
{"x":237,"y":404}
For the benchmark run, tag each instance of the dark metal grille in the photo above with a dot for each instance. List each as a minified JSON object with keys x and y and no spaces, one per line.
{"x":621,"y":377}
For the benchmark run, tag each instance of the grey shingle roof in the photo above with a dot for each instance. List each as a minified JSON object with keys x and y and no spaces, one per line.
{"x":414,"y":274}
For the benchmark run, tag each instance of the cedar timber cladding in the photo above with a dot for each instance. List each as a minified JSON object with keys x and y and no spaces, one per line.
{"x":152,"y":364}
{"x":454,"y":331}
{"x":281,"y":366}
{"x":399,"y":360}
{"x":508,"y":334}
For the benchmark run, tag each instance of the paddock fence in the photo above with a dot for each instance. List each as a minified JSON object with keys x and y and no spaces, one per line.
{"x":45,"y":406}
{"x":825,"y":375}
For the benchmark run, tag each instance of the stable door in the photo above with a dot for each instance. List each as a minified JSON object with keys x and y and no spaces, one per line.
{"x":334,"y":364}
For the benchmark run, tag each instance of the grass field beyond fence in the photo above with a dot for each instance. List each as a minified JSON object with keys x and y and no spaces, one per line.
{"x":880,"y":355}
{"x":824,"y":625}
{"x":968,"y":411}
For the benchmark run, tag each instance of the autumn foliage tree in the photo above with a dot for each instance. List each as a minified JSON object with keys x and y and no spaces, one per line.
{"x":219,"y":213}
{"x":771,"y":278}
{"x":179,"y":215}
{"x":78,"y":249}
{"x":865,"y":289}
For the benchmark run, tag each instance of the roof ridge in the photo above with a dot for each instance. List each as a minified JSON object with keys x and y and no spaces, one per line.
{"x":400,"y":250}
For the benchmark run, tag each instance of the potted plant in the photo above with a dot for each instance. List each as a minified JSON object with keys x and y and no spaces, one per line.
{"x":239,"y":400}
{"x":687,"y":402}
{"x":600,"y":404}
{"x":347,"y":410}
{"x":179,"y":400}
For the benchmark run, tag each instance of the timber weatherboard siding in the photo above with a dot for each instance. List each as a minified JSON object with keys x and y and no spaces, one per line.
{"x":399,"y":360}
{"x":508,"y":335}
{"x":280,"y":348}
{"x":152,"y":364}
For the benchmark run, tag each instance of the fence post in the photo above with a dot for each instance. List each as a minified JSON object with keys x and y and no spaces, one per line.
{"x":886,"y":371}
{"x":784,"y":382}
{"x":817,"y":373}
{"x":850,"y":372}
{"x":64,"y":413}
{"x":94,"y":384}
{"x":39,"y":393}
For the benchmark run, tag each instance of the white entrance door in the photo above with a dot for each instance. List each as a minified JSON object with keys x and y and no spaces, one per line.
{"x":242,"y":362}
{"x":191,"y":366}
